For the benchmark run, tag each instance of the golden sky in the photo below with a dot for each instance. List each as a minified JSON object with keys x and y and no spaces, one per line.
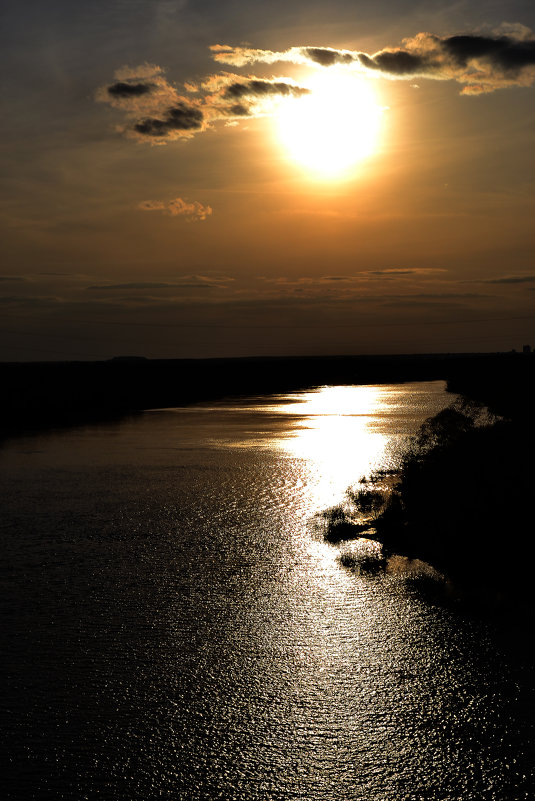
{"x":197,"y":179}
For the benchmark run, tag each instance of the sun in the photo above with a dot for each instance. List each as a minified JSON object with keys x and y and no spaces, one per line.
{"x":334,"y":127}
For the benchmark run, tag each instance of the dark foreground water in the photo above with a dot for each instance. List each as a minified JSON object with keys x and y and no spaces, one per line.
{"x":175,"y":628}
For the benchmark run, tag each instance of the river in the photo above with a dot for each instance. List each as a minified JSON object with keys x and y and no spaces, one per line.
{"x":176,"y":628}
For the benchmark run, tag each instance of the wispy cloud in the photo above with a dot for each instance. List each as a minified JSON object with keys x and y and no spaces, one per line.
{"x":510,"y":279}
{"x":131,"y":285}
{"x":182,"y":282}
{"x":363,"y":275}
{"x":420,"y":282}
{"x":191,"y":211}
{"x":399,"y":272}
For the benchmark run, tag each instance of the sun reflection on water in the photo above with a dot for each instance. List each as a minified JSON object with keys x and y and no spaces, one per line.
{"x":332,"y":430}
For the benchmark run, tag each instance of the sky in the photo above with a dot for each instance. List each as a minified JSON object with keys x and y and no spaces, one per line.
{"x":213,"y":178}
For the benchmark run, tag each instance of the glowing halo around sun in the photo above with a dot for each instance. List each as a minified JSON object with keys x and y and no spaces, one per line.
{"x":334,"y":127}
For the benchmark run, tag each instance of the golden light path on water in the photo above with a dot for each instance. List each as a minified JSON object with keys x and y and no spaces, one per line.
{"x":335,"y":436}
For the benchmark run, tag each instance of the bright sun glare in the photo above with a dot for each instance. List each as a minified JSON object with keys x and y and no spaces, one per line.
{"x":332,"y":128}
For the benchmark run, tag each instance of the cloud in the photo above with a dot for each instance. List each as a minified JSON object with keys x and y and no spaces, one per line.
{"x":180,"y":118}
{"x":28,"y":300}
{"x":124,"y":89}
{"x":138,"y":90}
{"x":410,"y":282}
{"x":482,"y":63}
{"x":183,"y":282}
{"x":258,"y":87}
{"x":191,"y":211}
{"x":363,"y":275}
{"x":158,"y":113}
{"x":240,"y":56}
{"x":399,"y":272}
{"x":327,"y":57}
{"x":510,"y":279}
{"x":436,"y":296}
{"x":155,"y":110}
{"x":230,"y":95}
{"x":427,"y":300}
{"x":133,"y":285}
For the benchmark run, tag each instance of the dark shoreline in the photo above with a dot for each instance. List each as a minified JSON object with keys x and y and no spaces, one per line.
{"x":36,"y":396}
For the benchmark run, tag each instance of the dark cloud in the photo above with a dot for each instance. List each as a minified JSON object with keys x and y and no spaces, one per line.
{"x":230,"y":95}
{"x":396,"y":62}
{"x":483,"y":63}
{"x":185,"y":282}
{"x":256,"y":87}
{"x":328,"y":57}
{"x":182,"y":117}
{"x":239,"y":110}
{"x":11,"y":278}
{"x":393,"y":272}
{"x":510,"y":279}
{"x":252,"y":89}
{"x":124,"y":89}
{"x":28,"y":300}
{"x":505,"y":52}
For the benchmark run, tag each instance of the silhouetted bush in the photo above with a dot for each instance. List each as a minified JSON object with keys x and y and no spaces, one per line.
{"x":369,"y":564}
{"x":358,"y":516}
{"x":337,"y":525}
{"x":367,"y":501}
{"x":463,"y":500}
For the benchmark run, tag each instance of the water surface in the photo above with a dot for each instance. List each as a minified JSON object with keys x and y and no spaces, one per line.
{"x":177,"y":629}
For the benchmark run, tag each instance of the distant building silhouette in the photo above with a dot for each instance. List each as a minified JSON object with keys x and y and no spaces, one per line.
{"x":526,"y":348}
